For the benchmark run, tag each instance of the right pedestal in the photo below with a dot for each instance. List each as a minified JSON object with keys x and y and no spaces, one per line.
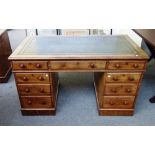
{"x":116,"y":92}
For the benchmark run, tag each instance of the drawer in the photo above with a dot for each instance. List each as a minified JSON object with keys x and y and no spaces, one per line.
{"x":31,"y":89}
{"x":32,"y":77}
{"x":77,"y":65}
{"x":128,"y":65}
{"x":37,"y":102}
{"x":117,"y":102}
{"x":30,"y":65}
{"x":122,"y":77}
{"x":120,"y":89}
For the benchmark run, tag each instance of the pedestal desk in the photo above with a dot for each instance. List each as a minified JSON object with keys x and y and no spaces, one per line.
{"x":117,"y":62}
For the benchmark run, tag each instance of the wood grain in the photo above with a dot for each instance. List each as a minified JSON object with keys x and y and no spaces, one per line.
{"x":30,"y":65}
{"x":117,"y":102}
{"x":37,"y":102}
{"x":34,"y":89}
{"x":32,"y":77}
{"x":77,"y":65}
{"x":120,"y":89}
{"x":122,"y":77}
{"x":126,"y":65}
{"x":5,"y":51}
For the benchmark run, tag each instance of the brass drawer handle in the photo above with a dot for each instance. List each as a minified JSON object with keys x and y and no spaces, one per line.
{"x":115,"y":78}
{"x":77,"y":63}
{"x":113,"y":90}
{"x":25,"y":78}
{"x":111,"y":103}
{"x":131,"y":78}
{"x":41,"y":78}
{"x":135,"y":65}
{"x":22,"y":66}
{"x":43,"y":103}
{"x":27,"y":90}
{"x":125,"y":102}
{"x":128,"y":90}
{"x":42,"y":90}
{"x":38,"y":65}
{"x":29,"y":102}
{"x":92,"y":65}
{"x":117,"y":65}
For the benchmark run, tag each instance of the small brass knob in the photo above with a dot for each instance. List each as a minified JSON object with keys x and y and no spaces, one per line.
{"x":92,"y":65}
{"x":43,"y":103}
{"x":29,"y":102}
{"x":27,"y":90}
{"x":128,"y":90}
{"x":117,"y":65}
{"x":112,"y":103}
{"x":125,"y":103}
{"x":42,"y":90}
{"x":41,"y":78}
{"x":131,"y":78}
{"x":135,"y":65}
{"x":113,"y":90}
{"x":38,"y":65}
{"x":22,"y":66}
{"x":25,"y":78}
{"x":115,"y":78}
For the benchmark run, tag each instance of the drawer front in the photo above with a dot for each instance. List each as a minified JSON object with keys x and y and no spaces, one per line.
{"x":32,"y":77}
{"x":120,"y":89}
{"x":117,"y":102}
{"x":77,"y":65}
{"x":37,"y":102}
{"x":122,"y":77}
{"x":28,"y":89}
{"x":29,"y":65}
{"x":133,"y":65}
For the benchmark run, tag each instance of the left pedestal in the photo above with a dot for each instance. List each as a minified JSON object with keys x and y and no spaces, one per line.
{"x":37,"y":92}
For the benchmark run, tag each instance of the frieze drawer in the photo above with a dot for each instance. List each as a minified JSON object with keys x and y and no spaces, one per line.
{"x":30,"y":65}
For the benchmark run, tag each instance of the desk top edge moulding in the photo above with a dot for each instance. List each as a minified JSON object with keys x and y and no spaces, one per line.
{"x":117,"y":63}
{"x":81,"y":47}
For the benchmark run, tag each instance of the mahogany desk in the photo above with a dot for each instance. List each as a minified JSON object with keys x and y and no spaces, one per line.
{"x":5,"y":51}
{"x":148,"y":35}
{"x":117,"y":62}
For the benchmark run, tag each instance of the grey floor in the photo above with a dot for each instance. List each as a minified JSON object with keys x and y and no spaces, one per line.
{"x":77,"y":103}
